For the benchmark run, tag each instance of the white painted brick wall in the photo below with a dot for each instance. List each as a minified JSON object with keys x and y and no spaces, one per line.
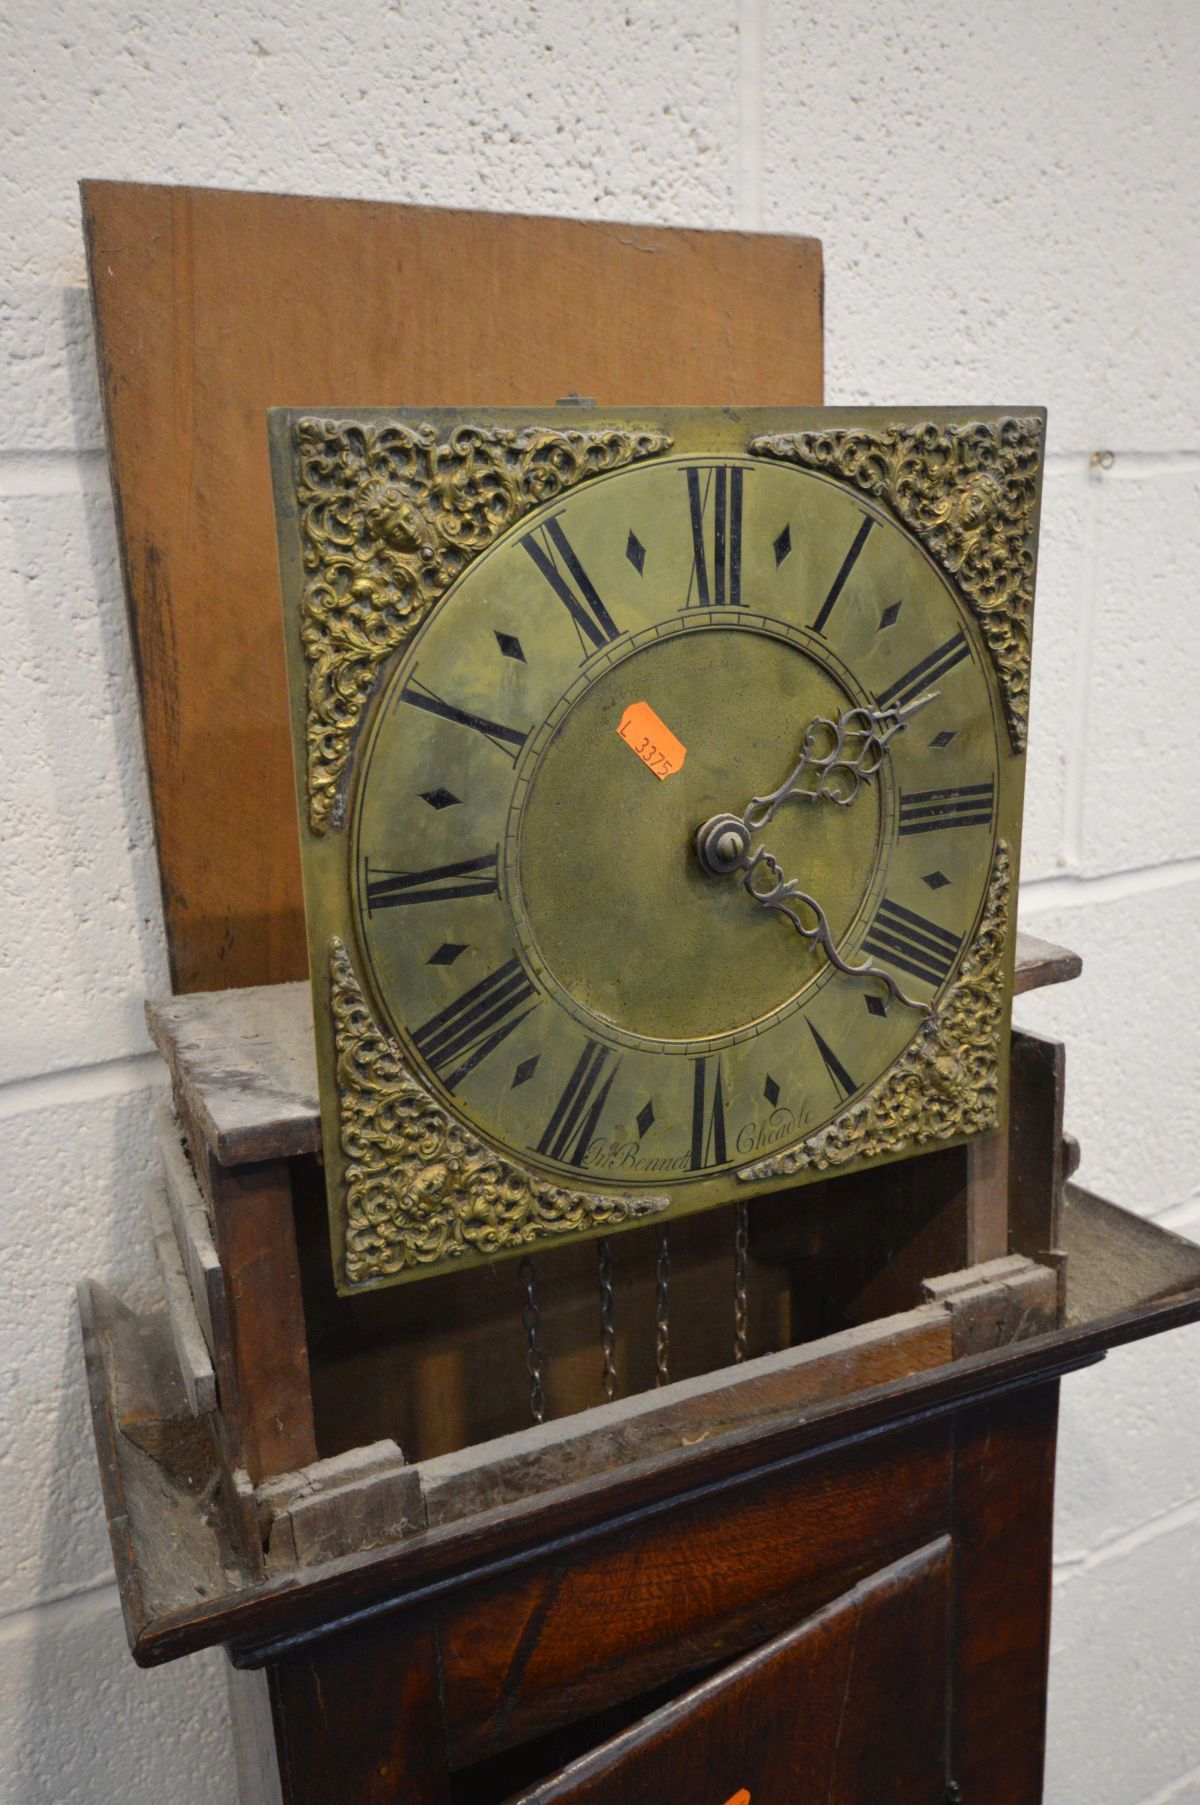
{"x":1007,"y":196}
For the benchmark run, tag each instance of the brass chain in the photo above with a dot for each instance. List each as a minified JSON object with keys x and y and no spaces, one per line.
{"x":535,"y":1360}
{"x":608,"y":1334}
{"x":662,"y":1311}
{"x":741,"y":1259}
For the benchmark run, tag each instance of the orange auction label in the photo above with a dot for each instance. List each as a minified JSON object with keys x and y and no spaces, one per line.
{"x":651,"y":739}
{"x":739,"y":1798}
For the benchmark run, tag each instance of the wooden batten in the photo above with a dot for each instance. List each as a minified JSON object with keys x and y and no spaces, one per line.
{"x":192,"y":1351}
{"x":996,"y":1303}
{"x":190,"y":1219}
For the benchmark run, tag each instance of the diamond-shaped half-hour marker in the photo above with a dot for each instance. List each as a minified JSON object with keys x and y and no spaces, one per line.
{"x":943,"y":738}
{"x":890,"y":615}
{"x":439,"y":798}
{"x":510,"y":645}
{"x":525,"y":1071}
{"x":771,"y":1091}
{"x":876,"y":1005}
{"x":645,"y":1120}
{"x":937,"y":880}
{"x":446,"y":954}
{"x":782,"y":545}
{"x":635,"y":551}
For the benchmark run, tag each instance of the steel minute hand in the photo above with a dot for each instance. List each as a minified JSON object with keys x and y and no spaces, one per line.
{"x":839,"y":757}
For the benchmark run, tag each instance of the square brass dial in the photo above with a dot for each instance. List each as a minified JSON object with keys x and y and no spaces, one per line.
{"x":660,"y":779}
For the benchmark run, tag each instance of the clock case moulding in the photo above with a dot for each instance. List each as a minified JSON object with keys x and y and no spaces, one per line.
{"x":378,"y":512}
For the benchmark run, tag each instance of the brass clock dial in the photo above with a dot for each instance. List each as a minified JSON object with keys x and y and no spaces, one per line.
{"x":665,"y":834}
{"x":539,"y":932}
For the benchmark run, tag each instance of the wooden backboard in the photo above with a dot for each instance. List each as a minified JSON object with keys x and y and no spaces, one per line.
{"x":212,"y":306}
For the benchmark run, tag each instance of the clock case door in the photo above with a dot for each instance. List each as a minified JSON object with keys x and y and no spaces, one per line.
{"x":366,"y":563}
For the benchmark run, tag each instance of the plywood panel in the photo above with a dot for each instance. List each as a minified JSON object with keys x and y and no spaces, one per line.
{"x":213,"y":306}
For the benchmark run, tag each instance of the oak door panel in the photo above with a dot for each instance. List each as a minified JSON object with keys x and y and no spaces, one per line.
{"x":357,"y":1721}
{"x":691,"y":1586}
{"x":850,"y":1706}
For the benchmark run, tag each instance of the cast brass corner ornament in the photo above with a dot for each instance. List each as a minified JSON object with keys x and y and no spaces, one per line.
{"x":389,"y":516}
{"x":968,"y":493}
{"x":420,"y":1188}
{"x":947,"y":1084}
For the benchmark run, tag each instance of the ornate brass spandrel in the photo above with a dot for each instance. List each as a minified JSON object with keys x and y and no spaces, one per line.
{"x":389,"y":517}
{"x":947,"y":1084}
{"x":969,"y":493}
{"x":420,"y":1189}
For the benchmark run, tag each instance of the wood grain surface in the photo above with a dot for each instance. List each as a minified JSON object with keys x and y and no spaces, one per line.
{"x":666,"y":1596}
{"x":213,"y":306}
{"x":1003,"y":1535}
{"x":849,"y":1706}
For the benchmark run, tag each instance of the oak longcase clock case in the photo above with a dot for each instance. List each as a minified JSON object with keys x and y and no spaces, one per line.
{"x":660,"y":780}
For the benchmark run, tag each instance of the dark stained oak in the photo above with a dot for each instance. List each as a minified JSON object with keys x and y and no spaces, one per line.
{"x":702,"y":1582}
{"x":1040,"y":962}
{"x":1037,"y":1086}
{"x":359,"y":1721}
{"x":853,"y":1705}
{"x":266,"y":1406}
{"x":1003,"y":1537}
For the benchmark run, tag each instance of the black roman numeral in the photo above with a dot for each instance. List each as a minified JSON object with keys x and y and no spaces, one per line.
{"x":569,"y":1131}
{"x":842,"y":577}
{"x":926,"y":811}
{"x":718,"y":584}
{"x":441,"y":883}
{"x":843,"y":1082}
{"x":708,"y":1117}
{"x":508,"y":740}
{"x":928,"y":671}
{"x":457,"y":1039}
{"x":547,"y":545}
{"x":910,"y":942}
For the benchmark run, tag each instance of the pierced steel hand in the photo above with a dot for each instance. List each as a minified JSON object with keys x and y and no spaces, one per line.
{"x":838,"y":757}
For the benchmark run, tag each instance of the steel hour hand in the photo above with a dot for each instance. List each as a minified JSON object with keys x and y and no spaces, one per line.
{"x":837,"y":758}
{"x":723,"y":846}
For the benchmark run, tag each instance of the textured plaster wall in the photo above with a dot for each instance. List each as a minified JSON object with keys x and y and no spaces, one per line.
{"x":1008,"y":199}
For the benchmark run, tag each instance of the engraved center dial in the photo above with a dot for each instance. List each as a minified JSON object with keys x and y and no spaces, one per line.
{"x":597,"y":829}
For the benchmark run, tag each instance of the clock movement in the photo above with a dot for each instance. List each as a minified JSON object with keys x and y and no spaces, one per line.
{"x":660,"y":780}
